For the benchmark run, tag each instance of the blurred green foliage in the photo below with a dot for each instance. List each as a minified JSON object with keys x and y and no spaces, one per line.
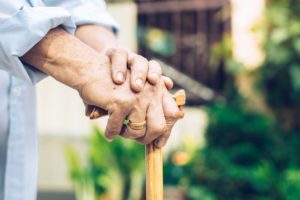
{"x":112,"y":171}
{"x":247,"y":156}
{"x":244,"y":155}
{"x":280,"y":72}
{"x":252,"y":155}
{"x":159,"y":41}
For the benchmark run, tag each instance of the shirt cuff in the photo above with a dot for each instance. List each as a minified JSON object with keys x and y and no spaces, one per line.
{"x":92,"y":14}
{"x":22,"y":31}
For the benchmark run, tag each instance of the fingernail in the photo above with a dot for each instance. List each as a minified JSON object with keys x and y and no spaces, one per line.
{"x":139,"y":83}
{"x":110,"y":139}
{"x":154,"y":77}
{"x":161,"y":142}
{"x":120,"y":76}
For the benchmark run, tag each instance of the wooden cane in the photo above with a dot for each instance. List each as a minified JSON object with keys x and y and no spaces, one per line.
{"x":154,"y":158}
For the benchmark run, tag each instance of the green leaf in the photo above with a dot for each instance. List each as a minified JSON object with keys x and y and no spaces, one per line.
{"x":295,"y":77}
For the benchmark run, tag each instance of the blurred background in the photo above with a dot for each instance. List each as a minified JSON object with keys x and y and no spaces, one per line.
{"x":239,"y":62}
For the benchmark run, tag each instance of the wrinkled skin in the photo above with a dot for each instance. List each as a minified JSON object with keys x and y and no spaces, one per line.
{"x":142,"y":72}
{"x":75,"y":64}
{"x":153,"y":104}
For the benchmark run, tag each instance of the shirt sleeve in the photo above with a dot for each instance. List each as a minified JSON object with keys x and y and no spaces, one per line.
{"x":22,"y":25}
{"x":87,"y":12}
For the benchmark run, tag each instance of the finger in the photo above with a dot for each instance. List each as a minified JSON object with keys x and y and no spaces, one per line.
{"x":114,"y":124}
{"x":139,"y":69}
{"x":172,"y":114}
{"x":156,"y":124}
{"x":168,"y":82}
{"x":138,"y":115}
{"x":154,"y":72}
{"x":118,"y":58}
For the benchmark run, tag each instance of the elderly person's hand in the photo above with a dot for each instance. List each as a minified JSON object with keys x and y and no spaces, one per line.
{"x":73,"y":63}
{"x":154,"y":105}
{"x":104,"y":41}
{"x":122,"y":61}
{"x":140,"y":68}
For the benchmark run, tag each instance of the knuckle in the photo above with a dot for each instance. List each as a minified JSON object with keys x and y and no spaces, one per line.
{"x":120,"y":65}
{"x":172,"y":115}
{"x":139,"y":70}
{"x":112,"y":129}
{"x":159,"y":129}
{"x":138,"y":74}
{"x":119,"y":56}
{"x":112,"y":51}
{"x":141,"y":140}
{"x":105,"y":60}
{"x":139,"y":58}
{"x":133,"y":134}
{"x":110,"y":132}
{"x":169,"y":124}
{"x":121,"y":105}
{"x":154,"y":62}
{"x":124,"y":102}
{"x":167,"y":135}
{"x":168,"y":80}
{"x":153,"y":90}
{"x":148,"y":141}
{"x":122,"y":51}
{"x":155,"y":65}
{"x":119,"y":52}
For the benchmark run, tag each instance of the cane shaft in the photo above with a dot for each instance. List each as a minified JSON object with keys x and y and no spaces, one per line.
{"x":154,"y":173}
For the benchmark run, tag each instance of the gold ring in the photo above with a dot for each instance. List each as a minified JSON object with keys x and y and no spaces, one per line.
{"x":135,"y":125}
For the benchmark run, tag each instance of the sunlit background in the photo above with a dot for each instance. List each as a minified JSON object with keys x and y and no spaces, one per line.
{"x":239,"y":62}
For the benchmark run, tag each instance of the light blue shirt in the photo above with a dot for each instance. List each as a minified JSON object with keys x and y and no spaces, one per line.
{"x":23,"y":23}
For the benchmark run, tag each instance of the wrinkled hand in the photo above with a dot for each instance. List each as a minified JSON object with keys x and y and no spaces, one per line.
{"x":80,"y":67}
{"x":143,"y":74}
{"x":122,"y":60}
{"x":153,"y":104}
